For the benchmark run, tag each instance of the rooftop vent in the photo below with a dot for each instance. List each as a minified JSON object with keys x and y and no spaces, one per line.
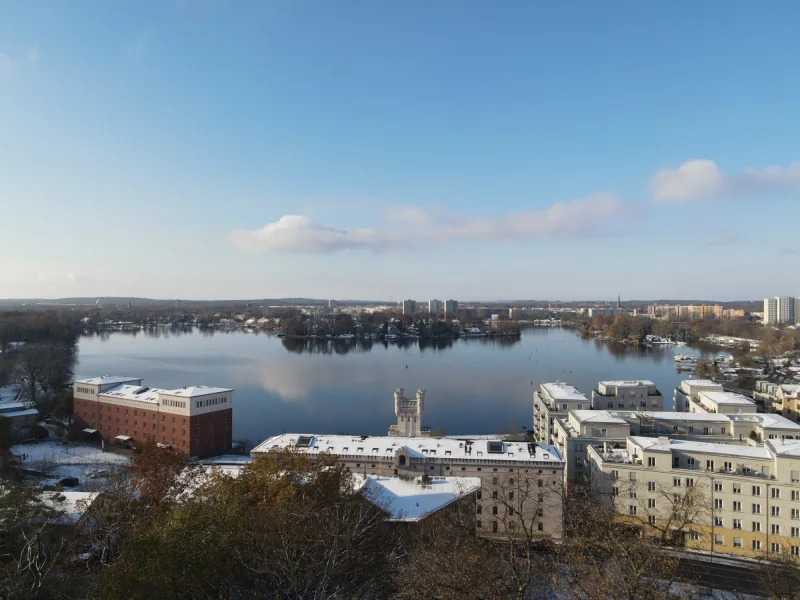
{"x":495,"y":447}
{"x":304,"y":441}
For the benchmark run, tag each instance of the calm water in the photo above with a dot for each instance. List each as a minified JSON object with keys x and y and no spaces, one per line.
{"x":473,"y":386}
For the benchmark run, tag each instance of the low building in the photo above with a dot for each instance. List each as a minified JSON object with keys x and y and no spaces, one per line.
{"x":22,"y":417}
{"x":744,"y":499}
{"x":195,"y":420}
{"x":633,"y":395}
{"x":786,"y":401}
{"x":603,"y":429}
{"x":722,"y":402}
{"x":518,"y":480}
{"x":553,"y":401}
{"x":688,"y":391}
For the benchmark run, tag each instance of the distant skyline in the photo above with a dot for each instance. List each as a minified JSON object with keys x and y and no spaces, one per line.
{"x":204,"y":149}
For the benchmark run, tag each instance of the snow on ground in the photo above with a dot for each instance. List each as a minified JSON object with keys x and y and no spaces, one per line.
{"x":8,"y":394}
{"x":58,"y":461}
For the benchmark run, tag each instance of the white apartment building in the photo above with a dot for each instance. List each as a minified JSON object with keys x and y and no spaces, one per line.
{"x":409,"y":307}
{"x":435,"y":306}
{"x":745,"y":499}
{"x":450,"y":308}
{"x":574,"y":434}
{"x":634,"y":395}
{"x":781,"y":309}
{"x":519,"y":480}
{"x":687,"y":398}
{"x":553,"y":401}
{"x":726,"y":403}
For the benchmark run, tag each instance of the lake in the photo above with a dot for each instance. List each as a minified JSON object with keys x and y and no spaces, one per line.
{"x":472,"y":385}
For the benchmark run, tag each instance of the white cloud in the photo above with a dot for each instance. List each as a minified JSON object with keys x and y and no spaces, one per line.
{"x":33,"y":55}
{"x":299,"y":234}
{"x":6,"y":64}
{"x":701,"y":178}
{"x":577,"y":217}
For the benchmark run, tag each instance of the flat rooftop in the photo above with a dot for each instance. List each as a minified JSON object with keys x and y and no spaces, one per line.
{"x":756,"y":452}
{"x":197,"y":390}
{"x":727,"y":398}
{"x":767,"y":421}
{"x":563,"y":391}
{"x":383,"y":447}
{"x":597,"y":416}
{"x":411,"y":500}
{"x":20,"y":413}
{"x":629,"y":383}
{"x":143,"y":393}
{"x":104,"y":379}
{"x":701,"y":382}
{"x":670,"y":416}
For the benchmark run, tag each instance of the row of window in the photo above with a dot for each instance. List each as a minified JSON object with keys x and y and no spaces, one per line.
{"x":510,"y":525}
{"x":83,"y":390}
{"x":211,"y":402}
{"x":719,"y":540}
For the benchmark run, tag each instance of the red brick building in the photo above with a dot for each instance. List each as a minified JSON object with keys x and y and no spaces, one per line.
{"x":195,"y":420}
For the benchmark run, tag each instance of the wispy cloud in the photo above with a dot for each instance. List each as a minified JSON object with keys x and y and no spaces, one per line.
{"x":410,"y":224}
{"x":299,"y":234}
{"x":33,"y":55}
{"x":701,"y":178}
{"x":6,"y":64}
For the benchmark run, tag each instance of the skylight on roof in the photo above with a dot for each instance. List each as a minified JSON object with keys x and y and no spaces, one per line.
{"x":304,"y":441}
{"x":495,"y":447}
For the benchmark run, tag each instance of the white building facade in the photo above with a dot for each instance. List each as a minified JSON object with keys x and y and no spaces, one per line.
{"x":631,"y":395}
{"x":745,"y":499}
{"x":781,"y":309}
{"x":519,"y":480}
{"x":553,"y":401}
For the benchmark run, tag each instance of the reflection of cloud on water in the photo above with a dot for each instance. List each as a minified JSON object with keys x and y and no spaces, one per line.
{"x":295,"y":381}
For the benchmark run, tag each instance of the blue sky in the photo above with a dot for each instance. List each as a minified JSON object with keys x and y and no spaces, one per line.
{"x":475,"y":150}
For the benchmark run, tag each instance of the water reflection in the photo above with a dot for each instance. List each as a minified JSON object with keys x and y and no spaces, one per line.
{"x":474,"y":384}
{"x":340,"y":346}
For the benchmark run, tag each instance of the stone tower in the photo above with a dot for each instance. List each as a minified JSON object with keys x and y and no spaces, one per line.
{"x":409,"y":414}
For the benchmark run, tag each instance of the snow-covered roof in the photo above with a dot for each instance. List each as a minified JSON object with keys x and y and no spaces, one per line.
{"x":416,"y":447}
{"x":19,"y":413}
{"x":105,"y":379}
{"x":563,"y":391}
{"x":197,"y":390}
{"x":675,"y":416}
{"x":629,"y":383}
{"x":786,"y":448}
{"x":702,"y":382}
{"x":597,"y":416}
{"x":411,"y":500}
{"x":719,"y":398}
{"x":766,"y":420}
{"x":71,"y":505}
{"x":140,"y":393}
{"x":659,"y":444}
{"x":9,"y":406}
{"x":790,"y":390}
{"x":143,"y":393}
